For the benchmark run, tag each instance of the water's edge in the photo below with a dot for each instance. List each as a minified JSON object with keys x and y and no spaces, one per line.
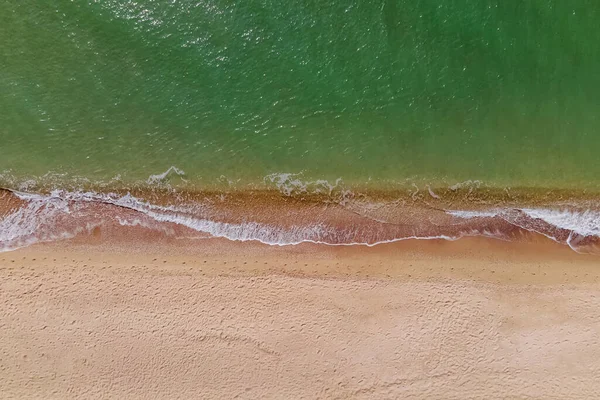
{"x":290,"y":215}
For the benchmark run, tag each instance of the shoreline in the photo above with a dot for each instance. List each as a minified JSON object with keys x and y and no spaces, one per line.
{"x":218,"y":319}
{"x":275,"y":219}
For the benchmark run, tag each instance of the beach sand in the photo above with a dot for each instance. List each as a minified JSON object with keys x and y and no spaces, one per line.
{"x":471,"y":319}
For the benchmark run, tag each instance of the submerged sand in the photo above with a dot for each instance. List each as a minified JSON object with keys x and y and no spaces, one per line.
{"x":472,"y":319}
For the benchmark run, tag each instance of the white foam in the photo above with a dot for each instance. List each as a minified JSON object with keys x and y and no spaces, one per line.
{"x":585,"y":223}
{"x":290,"y":183}
{"x":36,"y":221}
{"x":476,"y":184}
{"x":466,"y":214}
{"x":160,"y":178}
{"x":432,"y":193}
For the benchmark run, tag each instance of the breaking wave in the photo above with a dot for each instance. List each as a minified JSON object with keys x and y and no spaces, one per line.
{"x":28,"y":218}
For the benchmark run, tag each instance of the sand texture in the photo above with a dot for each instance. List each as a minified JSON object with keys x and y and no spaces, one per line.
{"x":229,"y":321}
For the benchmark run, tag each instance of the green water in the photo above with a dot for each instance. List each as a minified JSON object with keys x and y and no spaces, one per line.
{"x":506,"y":91}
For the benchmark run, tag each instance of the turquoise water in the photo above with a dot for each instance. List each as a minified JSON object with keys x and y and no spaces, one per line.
{"x":506,"y":92}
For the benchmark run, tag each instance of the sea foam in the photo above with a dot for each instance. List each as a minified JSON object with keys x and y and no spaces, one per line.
{"x":65,"y":214}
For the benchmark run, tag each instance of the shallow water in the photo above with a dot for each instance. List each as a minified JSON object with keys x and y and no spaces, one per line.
{"x":502,"y":92}
{"x":274,"y":218}
{"x":412,"y":102}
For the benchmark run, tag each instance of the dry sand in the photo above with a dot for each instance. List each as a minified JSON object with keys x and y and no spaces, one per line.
{"x":473,"y":319}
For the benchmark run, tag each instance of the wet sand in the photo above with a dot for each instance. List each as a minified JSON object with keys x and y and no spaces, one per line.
{"x":476,"y":318}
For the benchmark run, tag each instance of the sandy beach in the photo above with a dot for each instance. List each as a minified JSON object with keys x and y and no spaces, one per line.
{"x":299,"y":200}
{"x":472,"y":319}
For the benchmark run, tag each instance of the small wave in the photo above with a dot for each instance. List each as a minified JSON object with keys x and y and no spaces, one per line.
{"x":585,"y":223}
{"x":466,"y":214}
{"x":65,"y":214}
{"x":290,"y":183}
{"x":37,"y":222}
{"x":470,"y":184}
{"x":574,"y":228}
{"x":432,"y":193}
{"x":163,"y":177}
